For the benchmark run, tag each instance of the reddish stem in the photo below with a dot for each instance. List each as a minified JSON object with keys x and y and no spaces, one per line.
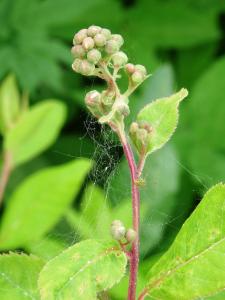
{"x":6,"y":170}
{"x":134,"y":259}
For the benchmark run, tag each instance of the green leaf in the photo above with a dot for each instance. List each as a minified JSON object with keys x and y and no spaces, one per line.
{"x":82,"y":271}
{"x":18,"y":276}
{"x":162,"y":115}
{"x":194,"y":262}
{"x":201,"y":139}
{"x":9,"y":104}
{"x":172,"y":24}
{"x":35,"y":131}
{"x":39,"y":202}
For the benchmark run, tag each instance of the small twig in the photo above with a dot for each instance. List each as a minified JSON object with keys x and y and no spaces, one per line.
{"x":141,"y":165}
{"x":6,"y":170}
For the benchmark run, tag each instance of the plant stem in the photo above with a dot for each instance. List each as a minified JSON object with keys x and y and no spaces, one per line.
{"x":6,"y":170}
{"x":134,"y":259}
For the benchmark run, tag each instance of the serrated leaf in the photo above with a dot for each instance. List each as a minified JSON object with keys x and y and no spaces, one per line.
{"x":9,"y":103}
{"x":194,"y":262}
{"x":162,"y":115}
{"x":18,"y":276}
{"x":83,"y":270}
{"x":39,"y":202}
{"x":35,"y":131}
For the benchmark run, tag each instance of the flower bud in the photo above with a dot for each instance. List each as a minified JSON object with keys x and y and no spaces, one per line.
{"x":141,"y":69}
{"x":118,"y":38}
{"x":78,"y":51}
{"x":130,"y":68}
{"x":142,"y":135}
{"x":130,"y":235}
{"x":88,"y":43}
{"x":93,"y":30}
{"x":134,"y":128}
{"x":117,"y":223}
{"x":106,"y":33}
{"x":145,"y":125}
{"x":118,"y":232}
{"x":137,"y":77}
{"x":122,"y":108}
{"x":100,"y":40}
{"x":111,"y":47}
{"x":92,"y":98}
{"x":108,"y":98}
{"x":80,"y":36}
{"x":86,"y":68}
{"x":94,"y":56}
{"x":119,"y":59}
{"x":76,"y":65}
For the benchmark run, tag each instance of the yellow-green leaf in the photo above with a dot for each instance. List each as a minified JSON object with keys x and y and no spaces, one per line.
{"x":18,"y":276}
{"x":39,"y":202}
{"x":82,"y":271}
{"x":193,"y":267}
{"x":162,"y":116}
{"x":35,"y":131}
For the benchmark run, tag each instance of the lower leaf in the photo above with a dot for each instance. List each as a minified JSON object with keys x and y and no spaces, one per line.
{"x":82,"y":271}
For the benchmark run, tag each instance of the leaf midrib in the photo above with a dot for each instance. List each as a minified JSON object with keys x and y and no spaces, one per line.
{"x":170,"y":272}
{"x":99,"y":257}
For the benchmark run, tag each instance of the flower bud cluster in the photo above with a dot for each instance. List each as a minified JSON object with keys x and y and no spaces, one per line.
{"x":140,"y":133}
{"x":136,"y":73}
{"x":119,"y":232}
{"x":93,"y":44}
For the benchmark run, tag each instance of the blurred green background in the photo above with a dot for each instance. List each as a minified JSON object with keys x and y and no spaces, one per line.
{"x":182,"y":44}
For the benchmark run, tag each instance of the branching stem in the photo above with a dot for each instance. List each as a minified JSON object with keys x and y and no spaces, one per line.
{"x":6,"y":170}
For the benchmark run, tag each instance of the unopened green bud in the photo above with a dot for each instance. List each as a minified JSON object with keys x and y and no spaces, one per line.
{"x":93,"y":30}
{"x":118,"y":232}
{"x":100,"y":40}
{"x":92,"y":98}
{"x":130,"y":68}
{"x":130,"y":235}
{"x":88,"y":43}
{"x":118,"y":38}
{"x":106,"y":33}
{"x":142,"y":135}
{"x":134,"y":128}
{"x":86,"y":68}
{"x":119,"y":59}
{"x":80,"y":36}
{"x":108,"y":97}
{"x":78,"y":51}
{"x":122,"y":108}
{"x":141,"y":69}
{"x":117,"y":223}
{"x":137,"y":77}
{"x":145,"y":125}
{"x":111,"y":47}
{"x":76,"y":65}
{"x":94,"y":56}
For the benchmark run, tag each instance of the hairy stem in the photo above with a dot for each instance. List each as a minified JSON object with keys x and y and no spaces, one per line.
{"x":134,"y":259}
{"x":6,"y":170}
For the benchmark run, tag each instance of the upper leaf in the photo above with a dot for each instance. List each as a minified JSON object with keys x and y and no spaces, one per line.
{"x":9,"y":103}
{"x":162,"y":116}
{"x":35,"y":131}
{"x":39,"y":202}
{"x":195,"y":261}
{"x":18,"y":276}
{"x":82,"y":271}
